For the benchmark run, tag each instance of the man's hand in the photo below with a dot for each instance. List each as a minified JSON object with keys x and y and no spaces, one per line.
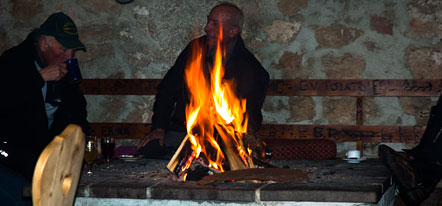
{"x":155,"y":134}
{"x":54,"y":72}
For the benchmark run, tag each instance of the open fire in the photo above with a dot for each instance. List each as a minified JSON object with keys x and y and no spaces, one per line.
{"x":216,"y":119}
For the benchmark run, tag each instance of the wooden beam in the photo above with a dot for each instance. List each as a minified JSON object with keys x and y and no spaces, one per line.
{"x":359,"y":121}
{"x":355,"y":87}
{"x":286,"y":87}
{"x":359,"y":111}
{"x":344,"y":133}
{"x":119,"y":86}
{"x":340,"y":133}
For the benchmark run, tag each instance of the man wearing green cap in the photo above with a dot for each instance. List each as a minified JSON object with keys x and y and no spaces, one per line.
{"x":38,"y":101}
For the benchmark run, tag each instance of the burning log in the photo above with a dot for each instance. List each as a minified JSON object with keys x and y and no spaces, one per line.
{"x":173,"y":162}
{"x":237,"y":158}
{"x":184,"y":157}
{"x":234,"y":161}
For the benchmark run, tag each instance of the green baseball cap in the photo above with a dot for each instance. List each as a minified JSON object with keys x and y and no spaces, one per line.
{"x":61,"y":26}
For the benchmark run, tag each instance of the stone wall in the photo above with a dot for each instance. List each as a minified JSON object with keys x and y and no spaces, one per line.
{"x":309,"y":39}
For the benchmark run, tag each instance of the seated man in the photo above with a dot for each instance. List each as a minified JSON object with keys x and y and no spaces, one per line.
{"x":168,"y":121}
{"x":38,"y":101}
{"x":417,"y":171}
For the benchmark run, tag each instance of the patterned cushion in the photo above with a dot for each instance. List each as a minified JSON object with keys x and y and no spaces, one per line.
{"x":297,"y":149}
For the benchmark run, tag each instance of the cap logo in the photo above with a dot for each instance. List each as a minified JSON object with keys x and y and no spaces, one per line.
{"x":69,"y":28}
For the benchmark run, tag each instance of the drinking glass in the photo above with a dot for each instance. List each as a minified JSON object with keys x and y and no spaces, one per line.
{"x":107,"y":148}
{"x":90,"y":153}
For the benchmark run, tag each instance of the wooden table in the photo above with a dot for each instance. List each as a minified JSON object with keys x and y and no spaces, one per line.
{"x":147,"y":182}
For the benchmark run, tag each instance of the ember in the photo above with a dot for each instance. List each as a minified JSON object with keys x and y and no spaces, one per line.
{"x":216,"y":119}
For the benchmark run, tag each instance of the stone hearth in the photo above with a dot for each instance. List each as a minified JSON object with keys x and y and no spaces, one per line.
{"x":147,"y":182}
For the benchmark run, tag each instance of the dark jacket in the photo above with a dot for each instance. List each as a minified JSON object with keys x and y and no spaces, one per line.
{"x":430,"y":146}
{"x":24,"y":122}
{"x":251,"y":79}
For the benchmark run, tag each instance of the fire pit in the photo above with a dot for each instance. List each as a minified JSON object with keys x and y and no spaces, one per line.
{"x":215,"y":153}
{"x":147,"y":181}
{"x":216,"y":118}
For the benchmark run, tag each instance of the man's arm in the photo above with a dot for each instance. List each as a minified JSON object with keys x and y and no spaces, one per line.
{"x":254,"y":83}
{"x":168,"y":91}
{"x":163,"y":107}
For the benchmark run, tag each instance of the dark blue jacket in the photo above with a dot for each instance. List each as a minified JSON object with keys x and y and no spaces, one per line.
{"x":24,"y":124}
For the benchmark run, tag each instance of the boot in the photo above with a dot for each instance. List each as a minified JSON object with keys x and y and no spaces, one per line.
{"x":415,"y":178}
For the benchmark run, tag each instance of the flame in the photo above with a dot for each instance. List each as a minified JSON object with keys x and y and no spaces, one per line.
{"x":213,"y":105}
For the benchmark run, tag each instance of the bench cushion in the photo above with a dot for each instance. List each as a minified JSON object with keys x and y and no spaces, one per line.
{"x":297,"y":149}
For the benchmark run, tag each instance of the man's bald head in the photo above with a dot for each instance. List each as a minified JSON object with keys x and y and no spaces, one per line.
{"x":235,"y":15}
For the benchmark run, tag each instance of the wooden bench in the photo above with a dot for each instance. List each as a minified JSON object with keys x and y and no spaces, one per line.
{"x":295,"y":87}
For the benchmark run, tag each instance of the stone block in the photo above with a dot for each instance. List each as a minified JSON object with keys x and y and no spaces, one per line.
{"x":348,"y":66}
{"x":336,"y":36}
{"x":240,"y":192}
{"x":291,"y":7}
{"x":381,"y":25}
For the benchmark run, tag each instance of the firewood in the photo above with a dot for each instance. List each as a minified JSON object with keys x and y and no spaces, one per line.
{"x":232,"y":154}
{"x":174,"y":160}
{"x":228,"y":147}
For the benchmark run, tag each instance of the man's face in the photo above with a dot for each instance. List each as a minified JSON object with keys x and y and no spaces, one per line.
{"x":216,"y":18}
{"x":53,"y":52}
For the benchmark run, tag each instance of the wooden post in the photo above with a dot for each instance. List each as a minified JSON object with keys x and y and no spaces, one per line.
{"x":359,"y":121}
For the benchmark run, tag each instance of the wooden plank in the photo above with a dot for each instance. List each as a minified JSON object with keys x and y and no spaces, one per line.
{"x":340,"y":133}
{"x":119,"y":86}
{"x":286,"y":87}
{"x":360,"y":147}
{"x":359,"y":121}
{"x":359,"y":111}
{"x":344,"y":133}
{"x":353,"y":87}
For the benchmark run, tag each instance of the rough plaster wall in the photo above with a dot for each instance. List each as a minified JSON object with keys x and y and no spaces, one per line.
{"x":311,"y":39}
